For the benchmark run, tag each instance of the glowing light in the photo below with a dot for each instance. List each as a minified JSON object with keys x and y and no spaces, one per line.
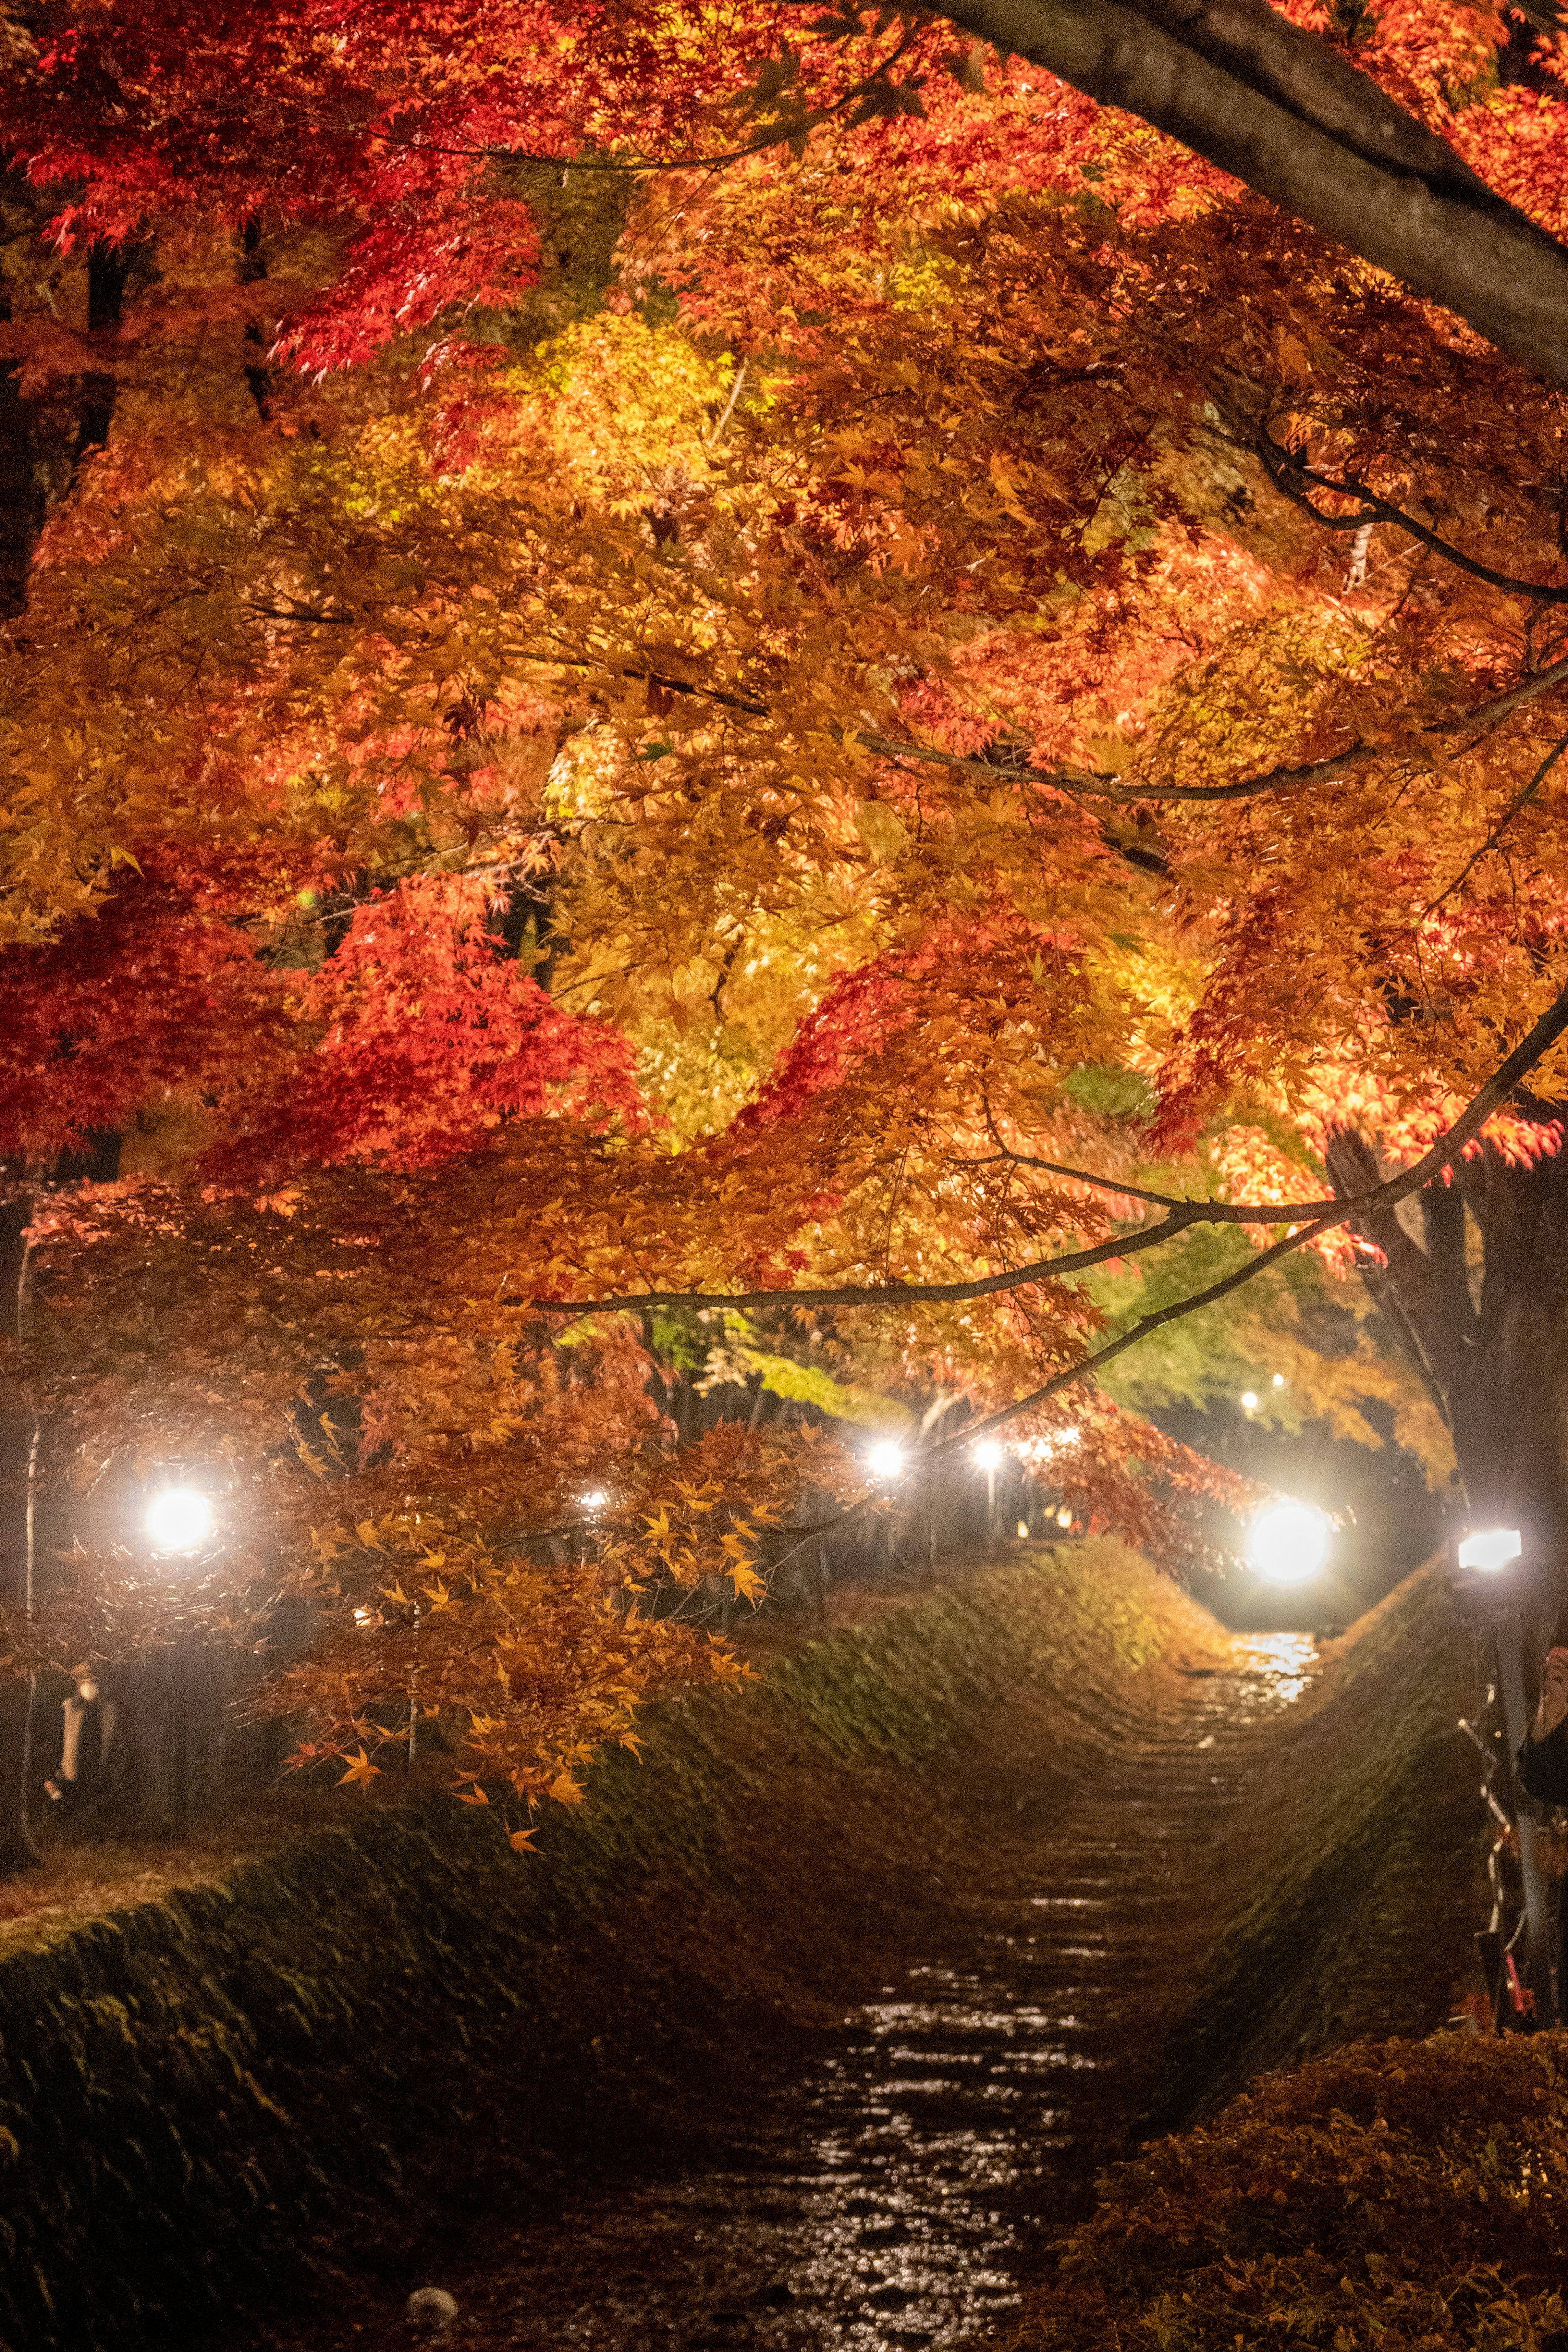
{"x":885,"y":1458}
{"x":1490,"y":1549}
{"x":594,"y":1499}
{"x":1280,"y":1381}
{"x":1023,"y":1530}
{"x":1041,"y":1449}
{"x":1289,"y":1542}
{"x":988,"y":1453}
{"x":179,"y":1519}
{"x":1064,"y":1516}
{"x":1249,"y":1400}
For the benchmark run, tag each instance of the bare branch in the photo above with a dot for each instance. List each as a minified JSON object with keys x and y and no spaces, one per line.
{"x":1519,"y":801}
{"x":1290,"y":472}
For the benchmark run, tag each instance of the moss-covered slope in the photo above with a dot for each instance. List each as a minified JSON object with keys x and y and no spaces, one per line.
{"x":1360,"y":1866}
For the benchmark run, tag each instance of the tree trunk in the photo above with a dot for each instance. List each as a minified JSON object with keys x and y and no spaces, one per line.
{"x":1477,"y":1296}
{"x":18,"y":1851}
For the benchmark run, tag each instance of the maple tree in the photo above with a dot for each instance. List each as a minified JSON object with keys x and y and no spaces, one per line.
{"x":681,"y":662}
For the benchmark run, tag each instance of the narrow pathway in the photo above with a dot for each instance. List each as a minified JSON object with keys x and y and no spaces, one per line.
{"x":900,"y":2190}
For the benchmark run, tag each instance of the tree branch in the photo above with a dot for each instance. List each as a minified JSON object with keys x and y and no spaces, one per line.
{"x":1273,"y":105}
{"x":1287,"y":471}
{"x":1313,"y":1217}
{"x":1520,"y":799}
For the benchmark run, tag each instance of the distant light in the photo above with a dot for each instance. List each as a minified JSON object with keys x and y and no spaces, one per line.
{"x":179,"y":1519}
{"x":988,"y":1453}
{"x":885,"y":1458}
{"x":1064,"y":1516}
{"x":595,"y":1499}
{"x":1289,"y":1542}
{"x":1490,"y":1549}
{"x":1023,"y":1529}
{"x":1279,"y":1381}
{"x":1249,"y":1400}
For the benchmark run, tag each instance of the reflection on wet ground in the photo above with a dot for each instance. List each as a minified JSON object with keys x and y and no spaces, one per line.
{"x":902,"y":2192}
{"x":893,"y":2199}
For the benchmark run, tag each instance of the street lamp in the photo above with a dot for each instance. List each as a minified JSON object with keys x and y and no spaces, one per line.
{"x":1288,"y":1542}
{"x":885,"y":1458}
{"x":989,"y":1456}
{"x":1490,"y":1549}
{"x":179,"y":1518}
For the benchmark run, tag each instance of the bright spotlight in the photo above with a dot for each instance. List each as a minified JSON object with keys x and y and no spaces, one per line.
{"x":885,"y":1458}
{"x":179,"y":1519}
{"x":988,"y":1453}
{"x":1249,"y":1400}
{"x":1490,"y":1549}
{"x":1289,"y":1542}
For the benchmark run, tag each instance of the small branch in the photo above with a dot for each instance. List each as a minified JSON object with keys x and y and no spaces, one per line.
{"x":1105,"y":788}
{"x":718,"y":432}
{"x":1285,"y":470}
{"x":891,"y":1294}
{"x":1519,"y":802}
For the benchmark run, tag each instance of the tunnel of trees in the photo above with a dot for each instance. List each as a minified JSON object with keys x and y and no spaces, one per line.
{"x":723,"y":728}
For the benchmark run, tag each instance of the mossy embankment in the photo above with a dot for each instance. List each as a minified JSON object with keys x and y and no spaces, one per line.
{"x":1360,"y":1864}
{"x":194,"y":2089}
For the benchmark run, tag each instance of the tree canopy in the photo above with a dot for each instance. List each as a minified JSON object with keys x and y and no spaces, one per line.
{"x":699,"y":678}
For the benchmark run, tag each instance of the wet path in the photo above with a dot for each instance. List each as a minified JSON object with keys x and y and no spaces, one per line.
{"x":900,"y":2190}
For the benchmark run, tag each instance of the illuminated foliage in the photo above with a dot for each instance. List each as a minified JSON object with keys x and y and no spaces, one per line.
{"x":610,"y":726}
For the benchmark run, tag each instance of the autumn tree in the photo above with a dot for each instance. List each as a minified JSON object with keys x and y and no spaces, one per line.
{"x":727,"y":666}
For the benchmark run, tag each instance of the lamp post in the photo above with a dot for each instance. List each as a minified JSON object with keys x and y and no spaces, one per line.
{"x":988,"y":1454}
{"x":885,"y":1460}
{"x":1489,"y":1582}
{"x":179,"y":1522}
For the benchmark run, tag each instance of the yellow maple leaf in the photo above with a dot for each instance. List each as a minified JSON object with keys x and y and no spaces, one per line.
{"x":476,"y":1796}
{"x":361,"y":1770}
{"x":521,"y":1842}
{"x":566,"y":1789}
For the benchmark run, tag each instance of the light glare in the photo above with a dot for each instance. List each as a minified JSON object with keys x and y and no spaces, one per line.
{"x":988,"y":1453}
{"x":1289,"y":1542}
{"x":595,"y":1499}
{"x":179,"y":1519}
{"x":885,"y":1459}
{"x":1249,"y":1400}
{"x":1490,"y":1549}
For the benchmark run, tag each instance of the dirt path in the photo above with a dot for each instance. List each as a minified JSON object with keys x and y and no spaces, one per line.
{"x":985,"y":1969}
